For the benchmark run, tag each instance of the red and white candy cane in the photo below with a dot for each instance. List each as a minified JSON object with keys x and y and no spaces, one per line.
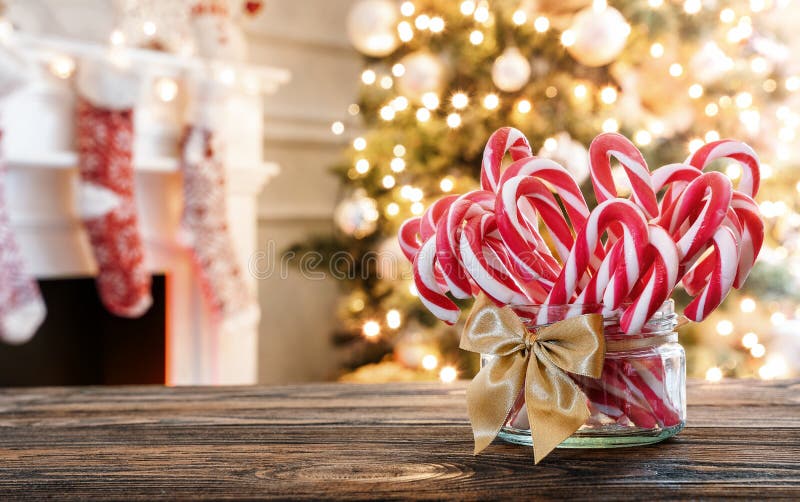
{"x":409,"y":238}
{"x":674,"y":177}
{"x":448,"y":238}
{"x":485,"y":267}
{"x":608,"y":145}
{"x":721,"y":279}
{"x":431,"y":217}
{"x":431,"y":293}
{"x":505,"y":139}
{"x":634,"y":227}
{"x":734,"y":150}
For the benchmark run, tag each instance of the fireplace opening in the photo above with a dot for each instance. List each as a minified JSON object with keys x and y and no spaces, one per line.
{"x":80,"y":343}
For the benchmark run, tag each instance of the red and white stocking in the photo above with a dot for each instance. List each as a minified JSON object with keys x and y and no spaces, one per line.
{"x":22,"y":309}
{"x":106,"y":194}
{"x":204,"y":228}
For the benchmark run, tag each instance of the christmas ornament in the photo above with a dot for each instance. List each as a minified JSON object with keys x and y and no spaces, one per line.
{"x":424,"y":72}
{"x":106,"y":191}
{"x":570,"y":154}
{"x":710,"y":63}
{"x":600,"y":36}
{"x":511,"y":70}
{"x":372,"y":27}
{"x":253,"y":7}
{"x":357,"y":215}
{"x":215,"y":32}
{"x":204,"y":221}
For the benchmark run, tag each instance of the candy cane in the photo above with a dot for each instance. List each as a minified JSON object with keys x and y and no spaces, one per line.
{"x":608,"y":145}
{"x":408,"y":236}
{"x":610,"y":212}
{"x":505,"y":139}
{"x":721,"y":279}
{"x":430,"y":292}
{"x":734,"y":150}
{"x":675,"y":177}
{"x":430,"y":218}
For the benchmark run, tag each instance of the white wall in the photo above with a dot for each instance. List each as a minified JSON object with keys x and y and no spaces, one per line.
{"x":308,"y":38}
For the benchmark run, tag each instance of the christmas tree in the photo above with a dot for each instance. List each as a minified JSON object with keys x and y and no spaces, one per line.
{"x":441,"y":76}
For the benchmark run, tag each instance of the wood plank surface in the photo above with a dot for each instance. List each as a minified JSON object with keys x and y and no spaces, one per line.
{"x":395,"y":441}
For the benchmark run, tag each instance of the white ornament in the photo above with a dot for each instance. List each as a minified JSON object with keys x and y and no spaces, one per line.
{"x":425,"y":72}
{"x":357,"y":215}
{"x":569,"y":153}
{"x":511,"y":70}
{"x":372,"y":27}
{"x":600,"y":36}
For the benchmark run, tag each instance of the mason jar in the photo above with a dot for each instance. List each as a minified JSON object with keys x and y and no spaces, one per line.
{"x":640,"y":398}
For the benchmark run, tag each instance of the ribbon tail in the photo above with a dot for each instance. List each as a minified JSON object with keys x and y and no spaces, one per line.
{"x":491,"y":394}
{"x":556,"y":405}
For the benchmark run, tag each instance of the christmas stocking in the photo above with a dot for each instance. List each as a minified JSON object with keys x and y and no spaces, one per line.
{"x":204,"y":227}
{"x":106,"y":197}
{"x":22,"y":309}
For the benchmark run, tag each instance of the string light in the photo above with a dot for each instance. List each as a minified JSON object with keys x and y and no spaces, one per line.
{"x":519,"y":17}
{"x":397,"y":164}
{"x":769,"y":85}
{"x":550,"y":144}
{"x":453,"y":120}
{"x":386,"y":82}
{"x":692,"y":6}
{"x":437,"y":24}
{"x":695,"y":91}
{"x":792,"y":83}
{"x":774,"y":368}
{"x":481,"y":14}
{"x":676,"y":70}
{"x":643,"y":137}
{"x":371,"y":329}
{"x":393,"y":319}
{"x":448,"y":374}
{"x":777,"y":318}
{"x":398,"y":70}
{"x":388,"y":181}
{"x":541,"y":24}
{"x":404,"y":31}
{"x":400,"y":103}
{"x":568,"y":38}
{"x":524,"y":106}
{"x":423,"y":115}
{"x":430,"y":362}
{"x":727,"y":15}
{"x":353,"y":109}
{"x":62,"y":67}
{"x":758,"y":350}
{"x":491,"y":101}
{"x":580,"y":91}
{"x":392,"y":209}
{"x":747,"y":304}
{"x":657,"y":50}
{"x":744,"y":99}
{"x":749,"y":340}
{"x":149,"y":28}
{"x":422,"y":22}
{"x":337,"y":128}
{"x":387,"y":113}
{"x":655,"y":3}
{"x":447,"y":184}
{"x":359,"y":144}
{"x":551,"y":91}
{"x":724,"y":327}
{"x":610,"y":125}
{"x":430,"y":100}
{"x":459,"y":100}
{"x":399,"y":151}
{"x":608,"y":95}
{"x":714,"y":374}
{"x":711,"y":136}
{"x":407,"y":9}
{"x":417,"y":208}
{"x":712,"y":109}
{"x":368,"y":77}
{"x":734,"y":171}
{"x":117,"y":38}
{"x":412,"y":290}
{"x":362,"y":166}
{"x":467,"y":7}
{"x":476,"y":37}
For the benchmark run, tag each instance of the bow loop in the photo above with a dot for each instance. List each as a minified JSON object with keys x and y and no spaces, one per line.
{"x":534,"y":365}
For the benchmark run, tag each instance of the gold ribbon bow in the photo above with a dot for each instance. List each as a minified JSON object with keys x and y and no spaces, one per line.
{"x":537,"y":362}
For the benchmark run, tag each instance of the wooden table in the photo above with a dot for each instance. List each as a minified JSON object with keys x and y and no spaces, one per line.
{"x":371,"y":441}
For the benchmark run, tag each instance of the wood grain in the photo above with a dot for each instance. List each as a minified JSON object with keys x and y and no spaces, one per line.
{"x":368,"y":441}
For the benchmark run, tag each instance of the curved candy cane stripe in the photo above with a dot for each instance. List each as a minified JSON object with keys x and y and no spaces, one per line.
{"x":752,"y":234}
{"x":608,"y":145}
{"x":734,"y":150}
{"x":431,"y":217}
{"x":608,"y":213}
{"x":674,"y":177}
{"x":408,"y":236}
{"x":430,"y":292}
{"x":721,"y":280}
{"x":505,"y":139}
{"x":659,"y":281}
{"x":448,"y":238}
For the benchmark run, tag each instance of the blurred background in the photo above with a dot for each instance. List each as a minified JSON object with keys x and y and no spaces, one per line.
{"x":175,"y":168}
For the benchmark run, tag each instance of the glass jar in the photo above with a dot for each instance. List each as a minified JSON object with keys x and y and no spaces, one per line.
{"x":640,"y":398}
